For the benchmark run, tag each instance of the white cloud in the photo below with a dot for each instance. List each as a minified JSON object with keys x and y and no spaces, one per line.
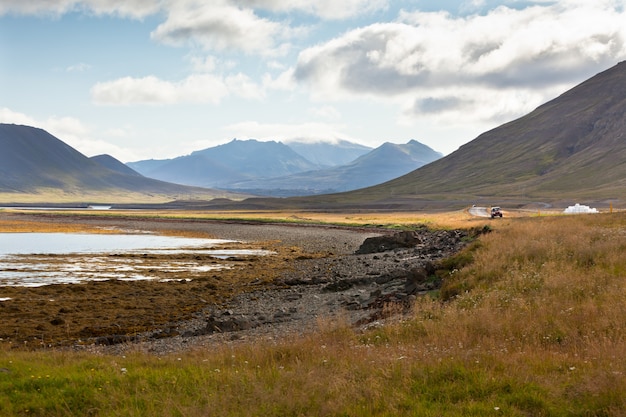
{"x":220,"y":25}
{"x":285,"y":132}
{"x":258,"y":27}
{"x":204,"y":64}
{"x":136,"y":9}
{"x":243,"y":86}
{"x":456,"y":65}
{"x":197,"y":88}
{"x":327,"y":9}
{"x":80,"y":67}
{"x":326,"y":112}
{"x":13,"y":117}
{"x":284,"y":81}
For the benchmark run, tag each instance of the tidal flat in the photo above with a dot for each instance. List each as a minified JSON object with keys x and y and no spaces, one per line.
{"x":181,"y":283}
{"x":124,"y":291}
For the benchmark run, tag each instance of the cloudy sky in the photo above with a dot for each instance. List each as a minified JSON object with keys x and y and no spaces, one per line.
{"x":142,"y":79}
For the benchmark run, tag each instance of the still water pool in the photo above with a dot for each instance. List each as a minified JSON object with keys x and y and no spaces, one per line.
{"x":58,"y":243}
{"x":36,"y":259}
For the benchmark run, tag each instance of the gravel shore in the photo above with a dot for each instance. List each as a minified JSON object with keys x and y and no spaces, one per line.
{"x":273,"y":314}
{"x":336,"y":279}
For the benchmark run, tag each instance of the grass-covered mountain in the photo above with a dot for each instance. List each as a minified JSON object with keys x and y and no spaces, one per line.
{"x":377,"y":166}
{"x":115,"y":165}
{"x":571,"y":148}
{"x":33,"y":162}
{"x":237,"y":160}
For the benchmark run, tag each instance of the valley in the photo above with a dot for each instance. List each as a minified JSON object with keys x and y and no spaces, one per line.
{"x":403,"y":284}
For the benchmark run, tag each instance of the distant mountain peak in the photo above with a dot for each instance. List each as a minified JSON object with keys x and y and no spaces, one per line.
{"x":236,"y":160}
{"x":386,"y":162}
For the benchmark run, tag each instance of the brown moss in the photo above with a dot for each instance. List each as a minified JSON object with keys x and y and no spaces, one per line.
{"x":66,"y":314}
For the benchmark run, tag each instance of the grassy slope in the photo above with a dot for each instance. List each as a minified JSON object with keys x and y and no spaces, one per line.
{"x":47,"y":196}
{"x":533,"y":325}
{"x":571,"y":146}
{"x":37,"y":167}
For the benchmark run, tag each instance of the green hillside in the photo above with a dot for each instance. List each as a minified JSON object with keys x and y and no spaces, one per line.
{"x":571,"y":147}
{"x":35,"y":163}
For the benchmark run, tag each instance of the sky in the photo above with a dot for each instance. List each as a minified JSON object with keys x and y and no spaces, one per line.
{"x":154,"y":79}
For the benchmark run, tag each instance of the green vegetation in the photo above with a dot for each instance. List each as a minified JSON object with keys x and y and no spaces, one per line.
{"x":538,"y":329}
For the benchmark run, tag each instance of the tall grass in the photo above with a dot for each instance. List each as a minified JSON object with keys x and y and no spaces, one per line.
{"x":533,"y":325}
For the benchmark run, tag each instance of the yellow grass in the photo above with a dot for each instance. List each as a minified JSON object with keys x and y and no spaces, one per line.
{"x":534,"y":325}
{"x":460,"y":218}
{"x":57,"y":196}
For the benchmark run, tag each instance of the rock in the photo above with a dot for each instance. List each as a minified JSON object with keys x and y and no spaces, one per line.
{"x":223,"y":322}
{"x":384,"y":243}
{"x":114,"y":339}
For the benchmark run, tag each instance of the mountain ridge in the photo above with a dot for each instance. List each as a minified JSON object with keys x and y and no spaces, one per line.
{"x":558,"y":148}
{"x":32,"y":160}
{"x":329,"y":153}
{"x":571,"y":148}
{"x":217,"y":166}
{"x":379,"y":165}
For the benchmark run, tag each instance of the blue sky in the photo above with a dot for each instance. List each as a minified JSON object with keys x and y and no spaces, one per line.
{"x":142,"y":79}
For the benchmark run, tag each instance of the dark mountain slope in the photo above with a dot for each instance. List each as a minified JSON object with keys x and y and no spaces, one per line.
{"x":572,"y":146}
{"x":113,"y":164}
{"x":381,"y":164}
{"x":32,"y":160}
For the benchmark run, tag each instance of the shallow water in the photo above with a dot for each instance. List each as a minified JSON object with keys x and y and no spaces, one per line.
{"x":37,"y":259}
{"x":57,"y":243}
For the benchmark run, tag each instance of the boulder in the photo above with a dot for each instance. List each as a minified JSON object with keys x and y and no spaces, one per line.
{"x":384,"y":243}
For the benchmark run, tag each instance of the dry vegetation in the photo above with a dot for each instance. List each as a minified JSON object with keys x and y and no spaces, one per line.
{"x":61,"y":315}
{"x":531,"y":323}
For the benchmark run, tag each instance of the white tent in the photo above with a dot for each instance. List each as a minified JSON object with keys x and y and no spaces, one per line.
{"x":578,"y":208}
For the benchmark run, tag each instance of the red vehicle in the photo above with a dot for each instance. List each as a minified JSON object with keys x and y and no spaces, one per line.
{"x":496,"y":212}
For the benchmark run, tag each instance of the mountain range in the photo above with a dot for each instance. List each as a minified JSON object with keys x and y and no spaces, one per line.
{"x":384,"y":163}
{"x":220,"y":165}
{"x":298,"y":168}
{"x":329,"y":153}
{"x":33,"y":162}
{"x":572,"y":148}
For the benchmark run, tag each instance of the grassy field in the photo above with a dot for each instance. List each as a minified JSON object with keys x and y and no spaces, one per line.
{"x":530,"y":323}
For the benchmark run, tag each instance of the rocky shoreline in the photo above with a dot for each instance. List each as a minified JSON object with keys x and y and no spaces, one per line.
{"x":321,"y":275}
{"x":382,"y":278}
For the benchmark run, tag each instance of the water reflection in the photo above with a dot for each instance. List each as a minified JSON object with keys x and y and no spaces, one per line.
{"x":56,"y":243}
{"x":36,"y":259}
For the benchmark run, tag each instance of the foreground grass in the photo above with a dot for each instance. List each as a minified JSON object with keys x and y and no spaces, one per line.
{"x":532,"y":324}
